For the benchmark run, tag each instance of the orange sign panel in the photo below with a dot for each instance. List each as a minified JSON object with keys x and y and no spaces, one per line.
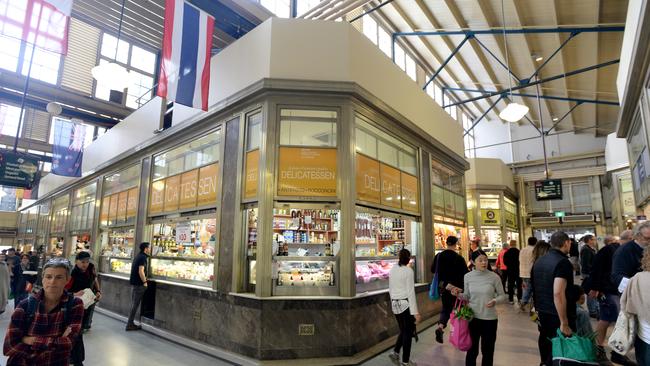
{"x":368,"y":181}
{"x":207,"y":186}
{"x":157,"y":197}
{"x":410,"y":195}
{"x":172,"y":193}
{"x":103,"y":214}
{"x":252,"y":174}
{"x":112,"y":209}
{"x":189,"y":182}
{"x":132,"y":203}
{"x":307,"y":172}
{"x":390,"y":186}
{"x":121,"y":206}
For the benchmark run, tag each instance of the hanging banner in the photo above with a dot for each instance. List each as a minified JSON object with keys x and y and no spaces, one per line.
{"x":172,"y":187}
{"x":207,"y":187}
{"x":67,"y":151}
{"x":390,"y":186}
{"x":189,"y":182}
{"x":157,"y":197}
{"x":132,"y":203}
{"x":17,"y":170}
{"x":410,"y":200}
{"x":490,"y":217}
{"x":252,"y":174}
{"x":368,"y":182}
{"x":309,"y":172}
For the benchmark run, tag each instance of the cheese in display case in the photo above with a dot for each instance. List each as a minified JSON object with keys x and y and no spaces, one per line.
{"x":311,"y":274}
{"x":183,"y":270}
{"x":120,"y":265}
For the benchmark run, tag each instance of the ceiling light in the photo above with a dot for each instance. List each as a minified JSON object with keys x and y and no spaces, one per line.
{"x":111,"y":75}
{"x":555,"y":119}
{"x":539,"y":58}
{"x":513,"y":112}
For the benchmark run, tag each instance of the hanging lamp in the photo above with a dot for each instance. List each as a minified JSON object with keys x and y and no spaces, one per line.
{"x":111,"y":74}
{"x":513,"y":112}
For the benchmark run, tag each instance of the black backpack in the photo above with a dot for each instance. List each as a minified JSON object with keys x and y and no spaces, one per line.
{"x":32,"y":306}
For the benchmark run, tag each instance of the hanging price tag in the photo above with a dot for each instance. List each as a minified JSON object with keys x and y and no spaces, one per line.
{"x":183,"y":233}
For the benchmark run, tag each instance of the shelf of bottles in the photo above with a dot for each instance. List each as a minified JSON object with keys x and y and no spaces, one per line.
{"x":116,"y":250}
{"x":305,"y":245}
{"x":189,"y":260}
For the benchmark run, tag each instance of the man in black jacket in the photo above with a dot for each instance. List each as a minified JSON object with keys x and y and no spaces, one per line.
{"x":511,"y":260}
{"x":587,"y":255}
{"x":451,"y":270}
{"x":627,"y":259}
{"x":604,"y":290}
{"x":552,"y":279}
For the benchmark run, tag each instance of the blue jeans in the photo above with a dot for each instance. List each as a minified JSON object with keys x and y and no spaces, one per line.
{"x":642,"y":351}
{"x":528,"y":291}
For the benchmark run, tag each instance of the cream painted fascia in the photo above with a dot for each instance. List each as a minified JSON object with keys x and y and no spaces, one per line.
{"x":489,"y":172}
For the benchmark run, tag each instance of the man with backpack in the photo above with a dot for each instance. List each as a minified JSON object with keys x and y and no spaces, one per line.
{"x":45,"y":326}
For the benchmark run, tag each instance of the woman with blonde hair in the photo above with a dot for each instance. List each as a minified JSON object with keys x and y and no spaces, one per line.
{"x":636,"y":301}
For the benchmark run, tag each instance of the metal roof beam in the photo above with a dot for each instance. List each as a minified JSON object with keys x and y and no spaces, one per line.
{"x":562,"y":118}
{"x":453,"y":53}
{"x":573,"y":34}
{"x":482,"y":116}
{"x":564,"y":99}
{"x":468,"y":32}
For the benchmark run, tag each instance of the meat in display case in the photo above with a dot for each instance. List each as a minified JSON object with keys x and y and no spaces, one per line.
{"x":372,"y":274}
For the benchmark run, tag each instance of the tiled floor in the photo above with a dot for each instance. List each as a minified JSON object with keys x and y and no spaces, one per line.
{"x":516,"y":345}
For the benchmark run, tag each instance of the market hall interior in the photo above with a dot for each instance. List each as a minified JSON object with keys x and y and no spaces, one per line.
{"x":280,"y":171}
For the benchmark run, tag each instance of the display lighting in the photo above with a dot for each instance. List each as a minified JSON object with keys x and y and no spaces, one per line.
{"x":111,"y":75}
{"x":513,"y":112}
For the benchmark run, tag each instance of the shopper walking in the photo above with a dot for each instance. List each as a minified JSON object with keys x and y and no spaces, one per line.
{"x":474,"y":245}
{"x":483,"y":290}
{"x":525,"y":266}
{"x":552,"y":278}
{"x":21,"y":280}
{"x":84,"y":276}
{"x":587,"y":254}
{"x":627,"y":259}
{"x":451,"y":270}
{"x":603,"y":289}
{"x":43,"y":329}
{"x":511,"y":260}
{"x":574,"y":256}
{"x":501,"y":266}
{"x":138,"y":280}
{"x":401,"y":288}
{"x":636,"y":300}
{"x":4,"y":284}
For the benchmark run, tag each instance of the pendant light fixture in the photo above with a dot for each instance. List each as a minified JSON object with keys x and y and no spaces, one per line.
{"x":513,"y":112}
{"x":111,"y":74}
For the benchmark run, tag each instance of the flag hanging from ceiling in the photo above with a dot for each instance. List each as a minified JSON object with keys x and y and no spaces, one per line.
{"x":44,"y":23}
{"x":185,"y":66}
{"x":67,"y":151}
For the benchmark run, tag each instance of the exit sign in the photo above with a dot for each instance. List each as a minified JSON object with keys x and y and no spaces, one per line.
{"x":559,"y":213}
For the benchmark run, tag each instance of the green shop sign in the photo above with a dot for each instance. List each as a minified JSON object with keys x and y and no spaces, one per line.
{"x":17,"y":170}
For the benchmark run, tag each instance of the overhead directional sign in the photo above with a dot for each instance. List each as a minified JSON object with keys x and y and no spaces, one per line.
{"x":550,"y":189}
{"x":17,"y":170}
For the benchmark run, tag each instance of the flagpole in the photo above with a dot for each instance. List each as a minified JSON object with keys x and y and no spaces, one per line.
{"x":29,"y":74}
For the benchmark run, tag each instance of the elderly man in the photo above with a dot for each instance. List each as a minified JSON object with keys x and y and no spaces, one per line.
{"x":627,"y":259}
{"x":44,"y":327}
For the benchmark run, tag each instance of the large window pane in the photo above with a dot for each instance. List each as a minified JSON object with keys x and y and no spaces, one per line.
{"x":9,"y":116}
{"x":388,"y":154}
{"x":408,"y":163}
{"x":385,"y":41}
{"x":139,"y":89}
{"x":281,"y":8}
{"x":108,"y":48}
{"x":201,"y":151}
{"x":366,"y":143}
{"x":370,"y":29}
{"x":143,"y":60}
{"x":102,"y":91}
{"x":400,"y":57}
{"x":9,"y":53}
{"x":304,"y":127}
{"x":45,"y":66}
{"x":254,"y":131}
{"x":410,"y":68}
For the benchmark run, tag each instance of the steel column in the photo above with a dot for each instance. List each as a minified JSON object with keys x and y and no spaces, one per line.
{"x":566,"y":99}
{"x":442,"y":66}
{"x":482,"y":116}
{"x":545,"y":80}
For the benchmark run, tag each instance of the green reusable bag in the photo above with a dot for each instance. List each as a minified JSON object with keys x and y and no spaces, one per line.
{"x":573,"y":348}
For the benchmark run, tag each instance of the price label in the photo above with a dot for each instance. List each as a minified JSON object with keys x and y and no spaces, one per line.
{"x":183,"y":233}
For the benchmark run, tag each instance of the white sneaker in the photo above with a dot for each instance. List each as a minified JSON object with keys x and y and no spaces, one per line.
{"x":394,"y":357}
{"x":410,"y":363}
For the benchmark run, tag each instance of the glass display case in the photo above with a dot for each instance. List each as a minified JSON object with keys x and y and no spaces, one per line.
{"x":251,"y":248}
{"x":117,"y":245}
{"x":491,"y":241}
{"x":379,"y":236}
{"x":442,"y":231}
{"x":183,"y":250}
{"x":305,"y":246}
{"x":118,"y":265}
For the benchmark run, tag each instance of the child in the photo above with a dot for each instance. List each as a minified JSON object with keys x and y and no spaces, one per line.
{"x":582,"y":321}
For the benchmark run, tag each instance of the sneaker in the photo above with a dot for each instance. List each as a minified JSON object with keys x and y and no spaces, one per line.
{"x":410,"y":363}
{"x":511,"y":302}
{"x":621,"y":360}
{"x":601,"y":357}
{"x":394,"y":357}
{"x":130,"y":327}
{"x":439,"y":333}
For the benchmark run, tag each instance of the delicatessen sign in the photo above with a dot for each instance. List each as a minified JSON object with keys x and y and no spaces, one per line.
{"x":308,"y":172}
{"x":193,"y":189}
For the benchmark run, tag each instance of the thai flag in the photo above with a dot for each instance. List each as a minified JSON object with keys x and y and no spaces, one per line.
{"x":185,"y":66}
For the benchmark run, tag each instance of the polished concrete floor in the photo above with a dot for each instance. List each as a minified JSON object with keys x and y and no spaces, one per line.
{"x":107,"y":344}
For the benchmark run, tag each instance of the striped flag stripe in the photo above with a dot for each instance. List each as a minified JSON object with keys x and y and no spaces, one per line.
{"x":200,"y":60}
{"x":165,"y":64}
